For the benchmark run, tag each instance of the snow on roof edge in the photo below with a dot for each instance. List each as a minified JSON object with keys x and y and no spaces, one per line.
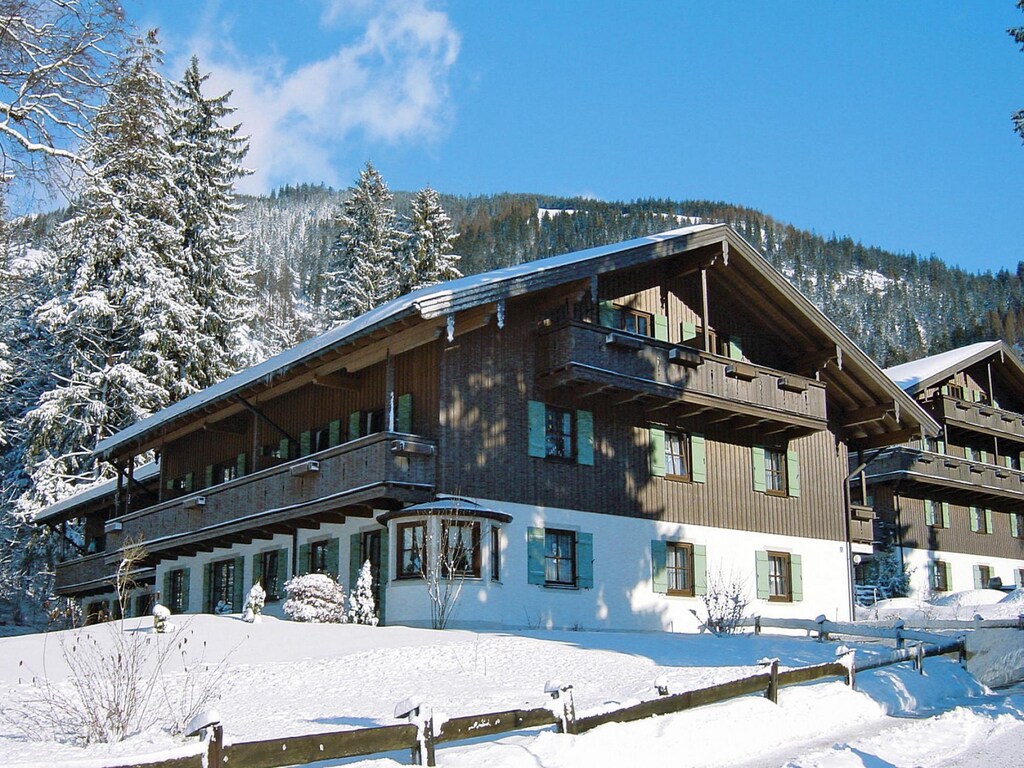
{"x":145,"y":472}
{"x":909,"y":375}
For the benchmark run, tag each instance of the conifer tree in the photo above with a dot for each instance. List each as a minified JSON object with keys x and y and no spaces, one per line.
{"x":429,"y":258}
{"x":121,"y":317}
{"x":208,"y":160}
{"x":363,"y":271}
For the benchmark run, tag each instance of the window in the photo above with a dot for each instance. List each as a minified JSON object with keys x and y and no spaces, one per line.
{"x":775,"y":471}
{"x":318,"y":557}
{"x":1017,"y":525}
{"x":144,"y":604}
{"x":374,"y":421}
{"x":1019,"y":573}
{"x":460,"y":548}
{"x":411,"y":554}
{"x":267,"y":564}
{"x":226,"y":470}
{"x":679,"y":568}
{"x":560,"y":557}
{"x":635,"y":321}
{"x":283,"y":449}
{"x":176,"y":591}
{"x":779,"y":577}
{"x":936,"y":514}
{"x":558,"y":433}
{"x":940,"y":576}
{"x":981,"y":520}
{"x":677,"y":455}
{"x":321,"y":439}
{"x":495,"y":553}
{"x":223,"y":587}
{"x":982,"y":576}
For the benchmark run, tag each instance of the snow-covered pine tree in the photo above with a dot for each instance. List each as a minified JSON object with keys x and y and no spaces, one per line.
{"x":208,"y":160}
{"x":363,"y":270}
{"x":361,"y":607}
{"x":428,"y":251}
{"x":121,"y":318}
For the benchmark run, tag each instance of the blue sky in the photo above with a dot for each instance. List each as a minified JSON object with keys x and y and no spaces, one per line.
{"x":885,"y":121}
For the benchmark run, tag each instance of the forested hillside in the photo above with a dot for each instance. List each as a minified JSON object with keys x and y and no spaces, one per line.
{"x":895,"y":306}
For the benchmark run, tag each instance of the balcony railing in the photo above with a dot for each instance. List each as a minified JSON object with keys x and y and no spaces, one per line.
{"x":83,"y":574}
{"x":360,"y":472}
{"x":951,"y":478}
{"x":598,"y":359}
{"x":979,"y":417}
{"x":861,"y":524}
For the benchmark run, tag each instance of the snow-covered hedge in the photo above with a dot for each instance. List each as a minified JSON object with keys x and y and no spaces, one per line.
{"x":315,"y":598}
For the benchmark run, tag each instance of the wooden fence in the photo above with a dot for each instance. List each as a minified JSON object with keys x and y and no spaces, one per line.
{"x":421,"y":738}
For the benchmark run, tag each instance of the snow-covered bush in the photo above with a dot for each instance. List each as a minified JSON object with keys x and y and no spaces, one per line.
{"x":316,"y":598}
{"x":725,"y":603}
{"x":254,"y":602}
{"x":161,"y":618}
{"x":361,"y":606}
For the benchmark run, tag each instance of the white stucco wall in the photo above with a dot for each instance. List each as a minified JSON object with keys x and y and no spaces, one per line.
{"x":961,"y":570}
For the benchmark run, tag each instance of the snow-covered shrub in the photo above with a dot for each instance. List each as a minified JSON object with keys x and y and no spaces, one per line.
{"x":361,"y":606}
{"x":316,"y":598}
{"x":254,"y":602}
{"x":725,"y":603}
{"x":161,"y":617}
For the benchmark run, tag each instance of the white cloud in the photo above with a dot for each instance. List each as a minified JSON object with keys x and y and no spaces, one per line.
{"x":388,"y":82}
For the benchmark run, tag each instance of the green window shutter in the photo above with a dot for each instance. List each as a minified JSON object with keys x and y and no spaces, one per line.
{"x":1018,"y":577}
{"x":208,"y":476}
{"x":303,"y":565}
{"x":165,"y":596}
{"x":403,"y":419}
{"x":607,"y":314}
{"x":988,"y":521}
{"x":585,"y":560}
{"x":207,"y":588}
{"x":757,"y":467}
{"x":929,"y":512}
{"x":256,"y":575}
{"x":969,"y":453}
{"x":384,"y":565}
{"x":975,"y":519}
{"x":735,"y":350}
{"x":355,"y":420}
{"x":945,"y":514}
{"x":944,"y":390}
{"x":355,"y":556}
{"x":793,"y":473}
{"x":283,"y":448}
{"x":585,"y":438}
{"x":940,"y":446}
{"x":240,"y":464}
{"x":689,"y":331}
{"x":305,"y":443}
{"x":334,"y":437}
{"x":984,"y":457}
{"x":698,"y":454}
{"x":334,"y":556}
{"x":659,"y":572}
{"x":796,"y":573}
{"x":661,"y":327}
{"x":1007,"y":463}
{"x":536,"y":412}
{"x":188,"y":481}
{"x":169,"y":485}
{"x":1014,"y":525}
{"x":700,"y":569}
{"x":656,"y":447}
{"x":977,"y":577}
{"x":186,"y":584}
{"x":535,"y":555}
{"x":761,"y":571}
{"x":283,"y":567}
{"x":239,"y":597}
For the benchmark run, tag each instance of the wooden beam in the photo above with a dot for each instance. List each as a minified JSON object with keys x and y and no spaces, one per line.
{"x":338,"y":380}
{"x":868,"y":415}
{"x":816,"y":360}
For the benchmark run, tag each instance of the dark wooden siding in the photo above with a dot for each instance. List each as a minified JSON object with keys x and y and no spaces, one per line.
{"x":958,"y":537}
{"x":487,"y":379}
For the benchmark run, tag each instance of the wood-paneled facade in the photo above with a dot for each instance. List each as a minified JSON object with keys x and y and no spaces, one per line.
{"x":690,"y":334}
{"x":962,"y":492}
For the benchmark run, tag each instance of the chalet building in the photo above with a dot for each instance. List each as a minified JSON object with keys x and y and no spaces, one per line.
{"x":953,"y":504}
{"x":604,"y":437}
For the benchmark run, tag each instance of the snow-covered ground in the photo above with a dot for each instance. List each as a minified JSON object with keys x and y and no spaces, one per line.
{"x":281,"y":678}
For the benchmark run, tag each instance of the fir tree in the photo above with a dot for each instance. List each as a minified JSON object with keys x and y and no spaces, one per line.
{"x":361,"y":606}
{"x":363,"y":272}
{"x":208,"y":160}
{"x":429,"y":258}
{"x":121,"y":318}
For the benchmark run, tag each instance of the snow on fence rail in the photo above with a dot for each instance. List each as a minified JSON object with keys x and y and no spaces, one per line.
{"x":896,"y":631}
{"x":420,"y":736}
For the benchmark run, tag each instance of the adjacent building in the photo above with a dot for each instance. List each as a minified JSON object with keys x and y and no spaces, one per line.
{"x":595,"y":440}
{"x":952,"y":505}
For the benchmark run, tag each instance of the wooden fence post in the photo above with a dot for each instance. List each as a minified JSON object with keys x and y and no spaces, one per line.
{"x":919,"y":659}
{"x":215,"y":750}
{"x":848,"y":658}
{"x":899,"y":634}
{"x":772,"y":694}
{"x":822,"y":634}
{"x":563,"y":693}
{"x":757,"y":624}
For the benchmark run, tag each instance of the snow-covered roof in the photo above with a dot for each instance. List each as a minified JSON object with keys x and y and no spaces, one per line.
{"x":429,"y":302}
{"x":918,"y":373}
{"x":94,"y":493}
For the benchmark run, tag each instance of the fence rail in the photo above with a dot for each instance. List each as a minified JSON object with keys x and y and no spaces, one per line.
{"x":420,"y":737}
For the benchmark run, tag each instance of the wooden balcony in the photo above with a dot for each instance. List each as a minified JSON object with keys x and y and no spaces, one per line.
{"x":862,"y":524}
{"x":593,"y":360}
{"x":977,"y":417}
{"x":383,"y":470}
{"x":84,"y":575}
{"x":948,"y":478}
